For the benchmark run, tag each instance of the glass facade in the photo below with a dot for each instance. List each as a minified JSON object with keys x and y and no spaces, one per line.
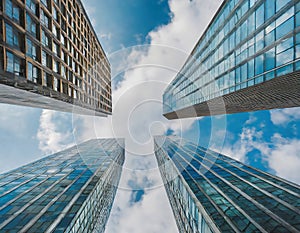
{"x":210,"y":192}
{"x":247,"y":43}
{"x":58,"y":39}
{"x":70,"y":191}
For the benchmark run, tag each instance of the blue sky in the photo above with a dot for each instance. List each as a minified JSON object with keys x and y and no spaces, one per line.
{"x":168,"y":30}
{"x":126,"y":23}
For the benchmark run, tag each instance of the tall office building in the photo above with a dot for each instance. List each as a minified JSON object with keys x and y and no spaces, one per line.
{"x":70,"y":191}
{"x":50,"y":57}
{"x":248,"y":59}
{"x":210,"y":192}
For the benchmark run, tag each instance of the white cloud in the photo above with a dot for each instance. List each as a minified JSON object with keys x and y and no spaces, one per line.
{"x":150,"y":215}
{"x":251,"y":120}
{"x":147,"y":71}
{"x":284,"y":116}
{"x":137,"y":114}
{"x":249,"y":139}
{"x":285,"y":158}
{"x":282,"y":155}
{"x":153,"y":212}
{"x":52,"y":134}
{"x":137,"y":101}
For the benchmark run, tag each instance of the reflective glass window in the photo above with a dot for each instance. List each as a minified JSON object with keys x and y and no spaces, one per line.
{"x":284,"y":70}
{"x":9,"y":34}
{"x":12,"y":10}
{"x":259,"y":41}
{"x":270,"y":38}
{"x":260,"y":16}
{"x":31,"y":5}
{"x":285,"y":57}
{"x":285,"y":28}
{"x":297,"y":55}
{"x":270,"y":9}
{"x":45,"y":19}
{"x":244,"y":72}
{"x":55,"y":14}
{"x":251,"y":68}
{"x":251,"y":23}
{"x":32,"y":72}
{"x":259,"y":64}
{"x":13,"y":37}
{"x":46,"y":3}
{"x":31,"y":25}
{"x":238,"y":75}
{"x":31,"y":49}
{"x":298,"y":19}
{"x":285,"y":44}
{"x":56,"y":84}
{"x":44,"y":58}
{"x":270,"y":59}
{"x":281,"y":3}
{"x":14,"y":64}
{"x":10,"y":62}
{"x":46,"y":39}
{"x":56,"y":67}
{"x":48,"y":82}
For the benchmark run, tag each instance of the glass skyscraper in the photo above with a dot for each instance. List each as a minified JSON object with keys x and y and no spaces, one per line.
{"x":249,"y":55}
{"x":210,"y":192}
{"x":70,"y":191}
{"x":51,"y":57}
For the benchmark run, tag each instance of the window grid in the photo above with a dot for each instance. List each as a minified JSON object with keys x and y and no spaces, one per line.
{"x":225,"y":187}
{"x":72,"y":186}
{"x":62,"y":22}
{"x":238,"y":52}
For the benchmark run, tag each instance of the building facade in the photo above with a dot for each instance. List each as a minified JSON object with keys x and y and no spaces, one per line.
{"x":50,"y":57}
{"x":210,"y":192}
{"x":70,"y":191}
{"x":246,"y":60}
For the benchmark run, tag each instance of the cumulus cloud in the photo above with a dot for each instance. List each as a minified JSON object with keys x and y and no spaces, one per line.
{"x":54,"y":134}
{"x":252,"y":119}
{"x":146,"y":71}
{"x":141,"y":74}
{"x":285,"y":158}
{"x":249,"y":139}
{"x":143,"y":216}
{"x":282,"y":155}
{"x":284,"y":116}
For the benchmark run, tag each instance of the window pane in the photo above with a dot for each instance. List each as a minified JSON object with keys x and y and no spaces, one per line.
{"x":9,"y":8}
{"x":270,"y":59}
{"x":285,"y":28}
{"x":16,"y":13}
{"x":284,"y":45}
{"x":10,"y":62}
{"x":270,"y":9}
{"x":251,"y":69}
{"x":280,"y":4}
{"x":44,"y":58}
{"x":259,"y":65}
{"x":31,"y":5}
{"x":9,"y":34}
{"x":260,"y":16}
{"x":29,"y":71}
{"x":285,"y":57}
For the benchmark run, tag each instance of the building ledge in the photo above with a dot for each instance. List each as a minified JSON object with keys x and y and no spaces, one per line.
{"x":280,"y":92}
